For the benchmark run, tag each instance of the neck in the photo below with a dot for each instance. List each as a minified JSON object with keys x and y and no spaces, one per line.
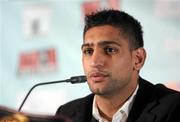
{"x":108,"y":105}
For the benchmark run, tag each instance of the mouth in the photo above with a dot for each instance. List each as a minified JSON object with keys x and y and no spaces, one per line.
{"x":98,"y":77}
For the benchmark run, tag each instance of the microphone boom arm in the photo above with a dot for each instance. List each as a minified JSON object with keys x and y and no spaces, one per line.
{"x":73,"y":80}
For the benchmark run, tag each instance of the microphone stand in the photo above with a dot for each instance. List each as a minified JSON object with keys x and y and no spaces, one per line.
{"x":73,"y":80}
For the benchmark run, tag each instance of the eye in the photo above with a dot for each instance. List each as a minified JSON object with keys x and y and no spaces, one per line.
{"x":110,"y":50}
{"x":87,"y":51}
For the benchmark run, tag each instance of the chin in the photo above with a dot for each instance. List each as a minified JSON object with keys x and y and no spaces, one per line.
{"x":98,"y":91}
{"x":95,"y":91}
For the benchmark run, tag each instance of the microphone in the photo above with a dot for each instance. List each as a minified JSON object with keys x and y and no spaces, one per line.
{"x":73,"y":80}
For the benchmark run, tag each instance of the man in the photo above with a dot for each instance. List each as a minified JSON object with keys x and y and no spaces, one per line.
{"x":113,"y":55}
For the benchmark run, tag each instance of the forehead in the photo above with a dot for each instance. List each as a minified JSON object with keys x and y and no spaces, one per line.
{"x":104,"y":33}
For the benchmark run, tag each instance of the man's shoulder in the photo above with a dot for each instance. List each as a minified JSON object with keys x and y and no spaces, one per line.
{"x":167,"y":94}
{"x":162,"y":91}
{"x":157,"y":88}
{"x":77,"y":104}
{"x":157,"y":92}
{"x":155,"y":102}
{"x":80,"y":101}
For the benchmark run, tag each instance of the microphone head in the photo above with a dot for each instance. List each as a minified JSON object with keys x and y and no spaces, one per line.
{"x":78,"y":79}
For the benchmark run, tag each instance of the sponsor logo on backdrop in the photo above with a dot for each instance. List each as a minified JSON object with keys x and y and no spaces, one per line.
{"x":173,"y":85}
{"x":38,"y":61}
{"x":91,"y":6}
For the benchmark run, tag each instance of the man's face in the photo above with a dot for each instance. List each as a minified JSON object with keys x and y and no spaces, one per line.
{"x":107,"y":60}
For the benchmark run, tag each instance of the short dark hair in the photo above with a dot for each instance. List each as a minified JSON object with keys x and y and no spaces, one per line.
{"x":128,"y":25}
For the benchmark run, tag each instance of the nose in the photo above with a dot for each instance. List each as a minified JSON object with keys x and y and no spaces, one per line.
{"x":97,"y":59}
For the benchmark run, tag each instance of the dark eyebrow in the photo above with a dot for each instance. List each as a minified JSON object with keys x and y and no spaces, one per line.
{"x":108,"y":42}
{"x":102,"y":43}
{"x":86,"y":45}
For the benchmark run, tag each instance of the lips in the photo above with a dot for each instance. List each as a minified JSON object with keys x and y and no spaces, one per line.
{"x":97,"y":76}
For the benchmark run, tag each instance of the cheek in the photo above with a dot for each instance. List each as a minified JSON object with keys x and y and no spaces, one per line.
{"x":85,"y":64}
{"x":123,"y":66}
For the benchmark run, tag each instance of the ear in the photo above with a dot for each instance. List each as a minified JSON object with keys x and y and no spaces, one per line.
{"x":139,"y":56}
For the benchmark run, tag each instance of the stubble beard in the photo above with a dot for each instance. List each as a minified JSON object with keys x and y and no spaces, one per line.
{"x":113,"y":86}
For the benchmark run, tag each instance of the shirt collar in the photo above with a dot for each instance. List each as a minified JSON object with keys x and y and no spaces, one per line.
{"x":125,"y":108}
